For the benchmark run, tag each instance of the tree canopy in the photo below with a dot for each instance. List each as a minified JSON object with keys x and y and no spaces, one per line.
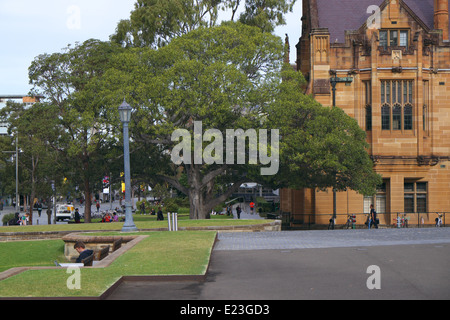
{"x":194,"y":81}
{"x":154,"y":23}
{"x":220,"y":77}
{"x":69,"y":81}
{"x":321,"y":147}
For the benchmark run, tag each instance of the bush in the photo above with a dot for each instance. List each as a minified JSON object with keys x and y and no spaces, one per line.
{"x":7,"y":217}
{"x":264,"y":206}
{"x":147,"y":207}
{"x":219,"y":208}
{"x":170,"y":205}
{"x":182,"y":201}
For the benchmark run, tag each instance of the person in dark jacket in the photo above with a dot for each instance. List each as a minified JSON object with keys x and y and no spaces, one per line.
{"x":238,"y":212}
{"x":373,"y":217}
{"x":81,"y":249}
{"x":77,"y":216}
{"x":159,"y":215}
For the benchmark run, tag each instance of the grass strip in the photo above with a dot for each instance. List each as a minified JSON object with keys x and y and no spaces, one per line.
{"x":142,"y":223}
{"x":162,"y":253}
{"x":30,"y":253}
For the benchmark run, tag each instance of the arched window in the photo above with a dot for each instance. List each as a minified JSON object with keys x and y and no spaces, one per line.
{"x":398,"y":96}
{"x":397,"y":117}
{"x":386,"y":117}
{"x":408,"y":115}
{"x":368,"y":118}
{"x":368,"y":104}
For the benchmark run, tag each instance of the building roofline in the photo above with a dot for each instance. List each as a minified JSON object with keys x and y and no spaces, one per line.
{"x":16,"y":96}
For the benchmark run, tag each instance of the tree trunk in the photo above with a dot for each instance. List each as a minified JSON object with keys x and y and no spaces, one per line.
{"x":198,"y":210}
{"x":87,"y":203}
{"x":33,"y":187}
{"x":87,"y":189}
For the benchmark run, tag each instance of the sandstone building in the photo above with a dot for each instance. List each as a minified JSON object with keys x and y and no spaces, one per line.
{"x":390,"y":63}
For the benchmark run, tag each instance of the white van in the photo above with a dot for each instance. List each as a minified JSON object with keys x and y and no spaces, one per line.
{"x":64,"y":211}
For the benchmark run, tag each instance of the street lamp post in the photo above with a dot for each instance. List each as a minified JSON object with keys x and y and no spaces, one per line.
{"x":333,"y":86}
{"x":125,"y":116}
{"x":17,"y":173}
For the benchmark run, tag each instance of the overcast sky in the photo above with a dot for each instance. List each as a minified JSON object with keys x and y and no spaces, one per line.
{"x":29,"y":28}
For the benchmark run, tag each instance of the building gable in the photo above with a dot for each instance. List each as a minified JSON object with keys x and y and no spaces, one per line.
{"x":340,"y":16}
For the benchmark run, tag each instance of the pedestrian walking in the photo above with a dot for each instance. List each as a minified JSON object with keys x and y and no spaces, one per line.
{"x":39,"y":208}
{"x":98,"y":206}
{"x":143,"y":207}
{"x":159,"y":215}
{"x":49,"y":215}
{"x":373,"y":218}
{"x":77,"y":216}
{"x":238,"y":212}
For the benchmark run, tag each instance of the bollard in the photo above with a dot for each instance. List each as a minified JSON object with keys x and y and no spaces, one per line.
{"x":175,"y":221}
{"x":172,"y":219}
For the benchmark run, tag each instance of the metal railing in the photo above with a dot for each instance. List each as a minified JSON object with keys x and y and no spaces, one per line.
{"x":386,"y":220}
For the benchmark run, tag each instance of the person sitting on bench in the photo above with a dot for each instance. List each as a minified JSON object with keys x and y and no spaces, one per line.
{"x":81,"y":249}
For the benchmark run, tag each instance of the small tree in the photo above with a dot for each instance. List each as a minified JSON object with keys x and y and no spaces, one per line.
{"x":69,"y":83}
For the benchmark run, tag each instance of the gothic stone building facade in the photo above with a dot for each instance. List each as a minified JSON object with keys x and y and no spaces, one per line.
{"x":392,"y":60}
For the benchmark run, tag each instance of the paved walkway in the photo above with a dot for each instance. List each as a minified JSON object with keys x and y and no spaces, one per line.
{"x":331,"y":239}
{"x":295,"y":265}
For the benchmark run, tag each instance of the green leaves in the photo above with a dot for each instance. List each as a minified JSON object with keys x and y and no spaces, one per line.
{"x":155,"y":23}
{"x":71,"y":83}
{"x":211,"y":75}
{"x":266,"y":14}
{"x":321,"y":147}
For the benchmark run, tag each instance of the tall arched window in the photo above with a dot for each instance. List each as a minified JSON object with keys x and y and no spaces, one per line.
{"x":368,"y":104}
{"x":397,"y":117}
{"x":397,"y":105}
{"x":386,"y":117}
{"x":408,"y":116}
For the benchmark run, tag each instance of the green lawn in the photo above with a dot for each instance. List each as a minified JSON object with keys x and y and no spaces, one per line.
{"x":162,"y":253}
{"x":30,"y":253}
{"x":141,"y":221}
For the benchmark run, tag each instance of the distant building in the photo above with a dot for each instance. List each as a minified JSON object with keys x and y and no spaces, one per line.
{"x":391,"y":60}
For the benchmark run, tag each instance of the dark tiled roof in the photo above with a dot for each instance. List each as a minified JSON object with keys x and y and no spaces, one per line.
{"x":424,"y":9}
{"x":341,"y":15}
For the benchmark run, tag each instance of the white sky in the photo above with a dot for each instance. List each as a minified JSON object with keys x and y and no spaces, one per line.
{"x":29,"y":28}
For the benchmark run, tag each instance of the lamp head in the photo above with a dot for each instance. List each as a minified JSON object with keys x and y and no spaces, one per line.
{"x":125,"y":112}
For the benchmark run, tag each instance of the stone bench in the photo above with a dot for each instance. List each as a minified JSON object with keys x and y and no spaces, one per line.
{"x":103,"y":253}
{"x":96,"y":243}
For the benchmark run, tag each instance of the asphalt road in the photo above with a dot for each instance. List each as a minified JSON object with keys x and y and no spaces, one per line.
{"x":412,"y":264}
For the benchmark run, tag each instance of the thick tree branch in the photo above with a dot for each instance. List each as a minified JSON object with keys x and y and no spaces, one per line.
{"x":211,"y":175}
{"x":175,"y":183}
{"x":211,"y":203}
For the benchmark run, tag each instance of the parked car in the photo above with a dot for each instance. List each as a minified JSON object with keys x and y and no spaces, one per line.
{"x":64,"y":211}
